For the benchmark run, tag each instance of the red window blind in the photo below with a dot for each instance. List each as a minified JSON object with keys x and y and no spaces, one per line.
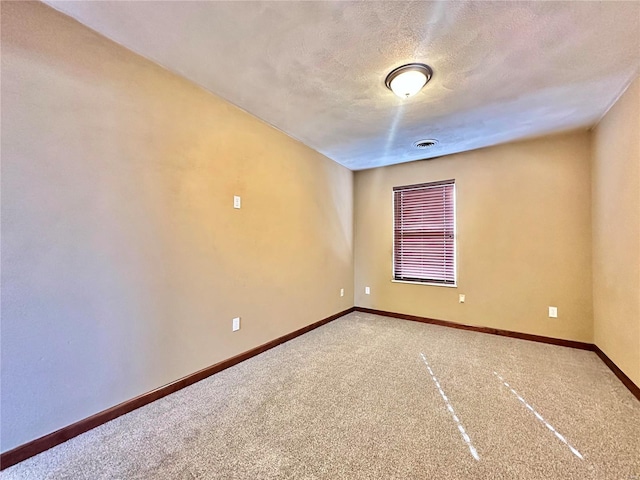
{"x":424,"y":233}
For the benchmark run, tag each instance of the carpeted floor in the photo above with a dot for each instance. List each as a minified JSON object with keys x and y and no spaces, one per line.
{"x":368,"y":397}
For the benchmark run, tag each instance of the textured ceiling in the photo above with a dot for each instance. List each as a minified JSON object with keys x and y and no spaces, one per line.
{"x":315,"y":70}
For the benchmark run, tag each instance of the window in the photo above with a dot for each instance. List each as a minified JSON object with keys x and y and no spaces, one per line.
{"x":424,"y":233}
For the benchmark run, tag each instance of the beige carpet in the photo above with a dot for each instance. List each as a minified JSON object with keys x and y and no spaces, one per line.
{"x":368,"y":397}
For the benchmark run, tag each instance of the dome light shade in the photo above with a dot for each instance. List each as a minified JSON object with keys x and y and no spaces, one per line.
{"x":407,"y":80}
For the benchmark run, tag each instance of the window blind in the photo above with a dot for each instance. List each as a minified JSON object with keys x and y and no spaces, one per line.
{"x":424,"y":233}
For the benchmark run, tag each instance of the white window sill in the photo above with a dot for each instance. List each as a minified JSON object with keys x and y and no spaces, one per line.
{"x":426,"y":283}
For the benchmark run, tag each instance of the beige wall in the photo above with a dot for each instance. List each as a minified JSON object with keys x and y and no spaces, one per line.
{"x":123,"y":261}
{"x":616,"y":233}
{"x":523,"y":238}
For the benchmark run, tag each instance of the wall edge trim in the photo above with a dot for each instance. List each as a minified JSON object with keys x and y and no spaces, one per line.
{"x":41,"y":444}
{"x":633,"y":388}
{"x":490,"y":330}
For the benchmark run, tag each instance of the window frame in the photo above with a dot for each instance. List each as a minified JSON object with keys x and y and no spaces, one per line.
{"x":455,"y":234}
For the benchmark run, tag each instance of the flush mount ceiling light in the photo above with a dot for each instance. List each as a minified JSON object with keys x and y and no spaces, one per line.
{"x":407,"y":80}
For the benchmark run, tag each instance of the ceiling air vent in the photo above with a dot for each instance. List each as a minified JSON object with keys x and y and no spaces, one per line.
{"x":425,"y":143}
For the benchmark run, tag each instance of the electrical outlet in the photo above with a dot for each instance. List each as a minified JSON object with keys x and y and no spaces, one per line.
{"x":236,"y":324}
{"x":553,"y":312}
{"x":342,"y":292}
{"x":367,"y":290}
{"x":461,"y":298}
{"x":237,"y":201}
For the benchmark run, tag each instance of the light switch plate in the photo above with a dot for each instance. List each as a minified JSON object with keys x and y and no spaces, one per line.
{"x":236,"y":324}
{"x":342,"y":292}
{"x":237,"y":202}
{"x":553,"y":312}
{"x":367,"y":290}
{"x":461,"y":298}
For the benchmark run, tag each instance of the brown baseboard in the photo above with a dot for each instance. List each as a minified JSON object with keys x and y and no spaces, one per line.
{"x":473,"y":328}
{"x":633,"y":388}
{"x":29,"y":449}
{"x":627,"y":382}
{"x":39,"y":445}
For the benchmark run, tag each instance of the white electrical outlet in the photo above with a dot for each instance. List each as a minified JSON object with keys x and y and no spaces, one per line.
{"x":342,"y":292}
{"x":236,"y":324}
{"x":553,"y":312}
{"x":367,"y":290}
{"x":461,"y":298}
{"x":237,"y":201}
